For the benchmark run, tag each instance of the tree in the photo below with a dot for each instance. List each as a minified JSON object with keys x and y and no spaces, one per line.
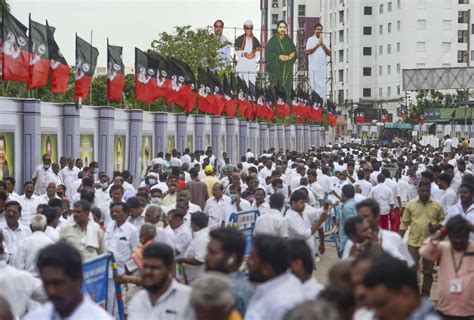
{"x":196,"y":48}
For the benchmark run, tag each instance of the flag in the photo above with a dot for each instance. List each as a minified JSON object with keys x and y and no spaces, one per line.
{"x":331,"y":119}
{"x":432,"y":129}
{"x":252,"y":98}
{"x":205,"y":99}
{"x":243,"y":97}
{"x":182,"y":84}
{"x":217,"y":92}
{"x":422,"y":119}
{"x":163,"y":81}
{"x":58,"y":68}
{"x":270,"y":102}
{"x":39,"y":55}
{"x":145,"y":77}
{"x":115,"y":73}
{"x":282,"y":107}
{"x":260,"y":103}
{"x":86,"y":61}
{"x":316,"y":110}
{"x":453,"y":115}
{"x":230,"y":101}
{"x":15,"y":57}
{"x":295,"y":103}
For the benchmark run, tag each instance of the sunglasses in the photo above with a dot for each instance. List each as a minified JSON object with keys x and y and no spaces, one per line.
{"x":248,"y":28}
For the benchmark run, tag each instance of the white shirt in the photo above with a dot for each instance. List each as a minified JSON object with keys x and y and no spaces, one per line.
{"x":448,"y":198}
{"x":165,"y":235}
{"x":244,"y":206}
{"x":317,"y":190}
{"x":173,"y":304}
{"x":138,"y":221}
{"x":403,"y":189}
{"x":41,"y":177}
{"x":271,"y":223}
{"x":447,"y":145}
{"x":13,"y":196}
{"x":12,"y":239}
{"x":28,"y":208}
{"x":384,"y":197}
{"x":185,"y":158}
{"x":52,"y":233}
{"x":311,"y":288}
{"x":299,"y":227}
{"x":365,"y":187}
{"x":457,"y":210}
{"x":69,"y":176}
{"x":295,"y":181}
{"x":44,"y":199}
{"x":183,"y":238}
{"x":274,"y":298}
{"x":264,"y":173}
{"x":217,"y":210}
{"x":391,"y":243}
{"x":325,"y":182}
{"x":28,"y":251}
{"x":18,"y":287}
{"x":74,"y":186}
{"x":56,"y":178}
{"x":197,"y":249}
{"x":394,"y":187}
{"x":86,"y":310}
{"x":359,"y":198}
{"x":436,"y":192}
{"x":121,"y":241}
{"x":101,"y":196}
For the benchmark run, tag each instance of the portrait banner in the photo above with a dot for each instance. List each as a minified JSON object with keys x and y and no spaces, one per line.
{"x":49,"y":145}
{"x":147,"y":152}
{"x":7,"y":154}
{"x":86,"y":148}
{"x":119,"y":152}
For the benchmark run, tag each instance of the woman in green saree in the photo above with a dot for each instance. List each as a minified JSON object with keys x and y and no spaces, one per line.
{"x":280,"y":56}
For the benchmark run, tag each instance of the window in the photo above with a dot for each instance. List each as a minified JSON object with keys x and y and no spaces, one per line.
{"x":389,"y":27}
{"x":301,"y":10}
{"x":367,"y":31}
{"x":380,"y":70}
{"x":380,"y":92}
{"x":341,"y":16}
{"x":398,"y":68}
{"x":463,"y":16}
{"x":462,"y":56}
{"x":284,"y":15}
{"x":341,"y":35}
{"x":341,"y":75}
{"x":366,"y":71}
{"x":380,"y":50}
{"x":398,"y":46}
{"x":389,"y":6}
{"x":421,"y":24}
{"x":381,"y":8}
{"x":446,"y":47}
{"x":368,"y":11}
{"x":389,"y":91}
{"x":367,"y":51}
{"x":463,"y":1}
{"x":340,"y":96}
{"x":389,"y":48}
{"x":366,"y":92}
{"x":462,"y":36}
{"x":275,"y":4}
{"x":340,"y":54}
{"x":284,"y":3}
{"x":302,"y":24}
{"x":472,"y":28}
{"x":274,"y":18}
{"x":389,"y":69}
{"x":420,"y":46}
{"x":421,"y":4}
{"x":398,"y":25}
{"x":381,"y":29}
{"x":446,"y":25}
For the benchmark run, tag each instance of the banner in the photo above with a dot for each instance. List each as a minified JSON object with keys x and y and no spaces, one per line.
{"x":170,"y":143}
{"x":147,"y":152}
{"x":86,"y":148}
{"x":49,"y":145}
{"x":244,"y":221}
{"x":96,"y":278}
{"x":119,"y":152}
{"x":189,"y":143}
{"x":7,"y":154}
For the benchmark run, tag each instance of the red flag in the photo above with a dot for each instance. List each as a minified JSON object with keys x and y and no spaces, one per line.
{"x":39,"y":57}
{"x":145,"y":77}
{"x":182,"y":84}
{"x":331,"y":119}
{"x":86,"y":61}
{"x":15,"y":57}
{"x":59,"y":69}
{"x":205,"y":99}
{"x":230,"y":101}
{"x":163,"y":81}
{"x":115,"y":73}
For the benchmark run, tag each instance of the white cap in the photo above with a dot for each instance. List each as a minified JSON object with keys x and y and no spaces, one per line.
{"x":248,"y":23}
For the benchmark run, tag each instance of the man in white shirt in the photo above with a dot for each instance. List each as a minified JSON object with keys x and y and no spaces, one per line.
{"x":318,"y":49}
{"x":237,"y":202}
{"x":29,"y":202}
{"x":217,"y":207}
{"x":50,"y":193}
{"x":448,"y":198}
{"x":295,"y":179}
{"x":41,"y":174}
{"x":315,"y":187}
{"x":137,"y":216}
{"x":13,"y":231}
{"x":10,"y":184}
{"x":185,"y":158}
{"x":54,"y":175}
{"x":224,"y":52}
{"x":465,"y":206}
{"x":447,"y":144}
{"x":61,"y":263}
{"x":162,"y":297}
{"x":116,"y":195}
{"x":69,"y":175}
{"x":272,"y":221}
{"x":182,"y":233}
{"x":30,"y":246}
{"x":229,"y":170}
{"x":266,"y":170}
{"x":383,"y":195}
{"x":278,"y":290}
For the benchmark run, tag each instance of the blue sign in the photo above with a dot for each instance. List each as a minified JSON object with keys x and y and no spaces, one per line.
{"x":245,"y":222}
{"x":96,"y":278}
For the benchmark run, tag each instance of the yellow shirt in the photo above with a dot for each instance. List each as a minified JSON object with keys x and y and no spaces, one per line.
{"x":234,"y":315}
{"x":209,"y":181}
{"x":417,"y":216}
{"x":73,"y":235}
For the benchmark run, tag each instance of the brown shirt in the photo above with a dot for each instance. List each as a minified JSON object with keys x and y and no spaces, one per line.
{"x":198,"y":193}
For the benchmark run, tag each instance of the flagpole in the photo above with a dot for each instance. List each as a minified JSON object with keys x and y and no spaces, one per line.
{"x":107,"y":70}
{"x":90,"y":86}
{"x":29,"y":44}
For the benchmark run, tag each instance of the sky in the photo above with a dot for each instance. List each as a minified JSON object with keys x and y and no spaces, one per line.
{"x":131,"y":24}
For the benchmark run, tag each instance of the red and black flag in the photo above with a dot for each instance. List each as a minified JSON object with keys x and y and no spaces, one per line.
{"x":86,"y":61}
{"x":282,"y":107}
{"x":270,"y":103}
{"x":260,"y":101}
{"x":39,"y":55}
{"x":316,"y":108}
{"x":230,"y":101}
{"x":58,"y":68}
{"x":331,"y":114}
{"x":243,"y":97}
{"x":115,"y":73}
{"x":205,"y":99}
{"x":182,"y":85}
{"x":217,"y":91}
{"x":15,"y":57}
{"x":252,"y":98}
{"x":145,"y":76}
{"x":163,"y":81}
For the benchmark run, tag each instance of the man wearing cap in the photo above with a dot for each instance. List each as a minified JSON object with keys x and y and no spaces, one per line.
{"x":247,"y":50}
{"x":209,"y":179}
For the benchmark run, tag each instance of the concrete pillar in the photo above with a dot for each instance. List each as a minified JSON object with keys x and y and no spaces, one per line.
{"x":243,"y":138}
{"x":299,"y":137}
{"x":135,"y":149}
{"x":280,"y":136}
{"x":253,"y":134}
{"x":230,"y":140}
{"x":216,"y":136}
{"x":322,"y":136}
{"x":307,"y":137}
{"x":318,"y":137}
{"x":106,"y":139}
{"x":288,"y":137}
{"x":181,"y":130}
{"x":263,"y":137}
{"x":71,"y":130}
{"x":161,"y":132}
{"x":313,"y":135}
{"x":31,"y":138}
{"x":199,"y":131}
{"x":272,"y":137}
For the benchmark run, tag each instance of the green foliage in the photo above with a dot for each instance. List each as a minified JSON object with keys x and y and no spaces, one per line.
{"x":430,"y":99}
{"x":196,"y":48}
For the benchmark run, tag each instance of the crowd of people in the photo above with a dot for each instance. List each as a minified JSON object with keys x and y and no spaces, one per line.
{"x":397,"y":216}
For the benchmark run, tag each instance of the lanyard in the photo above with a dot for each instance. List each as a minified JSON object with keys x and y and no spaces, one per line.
{"x":456,"y":268}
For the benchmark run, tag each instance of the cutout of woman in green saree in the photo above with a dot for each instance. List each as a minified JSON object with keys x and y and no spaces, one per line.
{"x":280,"y":57}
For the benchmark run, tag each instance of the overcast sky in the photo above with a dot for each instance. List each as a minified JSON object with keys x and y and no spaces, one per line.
{"x":131,"y":23}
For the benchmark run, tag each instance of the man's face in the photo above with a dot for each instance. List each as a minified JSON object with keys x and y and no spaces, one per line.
{"x":79,"y":163}
{"x":362,"y":231}
{"x":424,"y":193}
{"x":366,"y":214}
{"x":254,"y":264}
{"x":28,"y":190}
{"x":216,"y":257}
{"x":465,"y":195}
{"x":47,"y":160}
{"x":358,"y":272}
{"x":248,"y":30}
{"x":155,"y":274}
{"x":12,"y":214}
{"x":135,"y":212}
{"x":56,"y":167}
{"x":252,"y":184}
{"x":51,"y":189}
{"x":118,"y":181}
{"x":61,"y":289}
{"x":459,"y":241}
{"x":218,"y":27}
{"x":229,"y":172}
{"x":9,"y":186}
{"x":151,"y":216}
{"x":268,"y":164}
{"x":318,"y":30}
{"x":461,"y":167}
{"x":70,"y":163}
{"x":217,"y":191}
{"x":172,"y":185}
{"x":259,"y":196}
{"x":182,"y":207}
{"x":350,"y":169}
{"x":118,"y":215}
{"x":298,"y":206}
{"x":387,"y":304}
{"x":144,"y":236}
{"x":116,"y":195}
{"x":80,"y":216}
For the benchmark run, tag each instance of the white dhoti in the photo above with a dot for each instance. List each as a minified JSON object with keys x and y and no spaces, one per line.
{"x":247,"y":68}
{"x":317,"y":81}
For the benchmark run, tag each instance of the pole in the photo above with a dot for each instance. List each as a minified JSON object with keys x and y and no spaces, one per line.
{"x":465,"y":113}
{"x":90,"y":86}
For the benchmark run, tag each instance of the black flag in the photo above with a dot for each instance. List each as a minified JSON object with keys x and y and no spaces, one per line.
{"x":432,"y":128}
